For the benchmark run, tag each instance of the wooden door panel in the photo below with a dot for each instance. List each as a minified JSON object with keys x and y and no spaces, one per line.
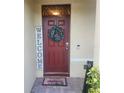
{"x":56,"y":54}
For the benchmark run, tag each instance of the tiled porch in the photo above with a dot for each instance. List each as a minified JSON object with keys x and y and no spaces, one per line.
{"x":75,"y":85}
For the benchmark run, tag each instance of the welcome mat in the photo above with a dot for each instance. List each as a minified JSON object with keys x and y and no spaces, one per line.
{"x":55,"y":81}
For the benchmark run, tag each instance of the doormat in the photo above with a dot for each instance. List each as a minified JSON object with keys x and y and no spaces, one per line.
{"x":54,"y":81}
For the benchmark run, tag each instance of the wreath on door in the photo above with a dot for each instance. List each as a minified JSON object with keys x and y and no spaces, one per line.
{"x":56,"y":33}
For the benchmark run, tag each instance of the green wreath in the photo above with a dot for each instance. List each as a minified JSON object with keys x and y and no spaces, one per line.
{"x":56,"y":33}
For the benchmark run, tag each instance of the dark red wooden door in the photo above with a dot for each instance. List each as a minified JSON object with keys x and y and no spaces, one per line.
{"x":56,"y":54}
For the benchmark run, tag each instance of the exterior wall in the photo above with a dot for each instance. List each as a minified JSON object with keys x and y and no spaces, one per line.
{"x":82,"y":32}
{"x":97,"y":35}
{"x":29,"y":46}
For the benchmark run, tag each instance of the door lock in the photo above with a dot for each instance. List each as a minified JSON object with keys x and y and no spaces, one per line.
{"x":66,"y":45}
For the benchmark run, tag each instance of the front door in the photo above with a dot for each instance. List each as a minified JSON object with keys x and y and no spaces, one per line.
{"x":56,"y":34}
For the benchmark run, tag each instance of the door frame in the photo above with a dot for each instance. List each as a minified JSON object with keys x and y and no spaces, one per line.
{"x":68,"y":35}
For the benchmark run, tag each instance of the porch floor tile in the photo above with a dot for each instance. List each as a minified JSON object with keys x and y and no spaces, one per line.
{"x":75,"y":85}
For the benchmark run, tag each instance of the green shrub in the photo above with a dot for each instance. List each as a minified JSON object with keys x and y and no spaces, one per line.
{"x":93,"y":80}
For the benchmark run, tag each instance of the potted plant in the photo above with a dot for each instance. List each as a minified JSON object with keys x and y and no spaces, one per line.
{"x":93,"y":80}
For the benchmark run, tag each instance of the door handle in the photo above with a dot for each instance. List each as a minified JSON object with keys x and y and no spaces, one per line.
{"x":66,"y":45}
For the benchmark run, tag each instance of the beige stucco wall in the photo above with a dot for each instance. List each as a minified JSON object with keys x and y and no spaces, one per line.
{"x":29,"y":46}
{"x":97,"y":35}
{"x":82,"y":31}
